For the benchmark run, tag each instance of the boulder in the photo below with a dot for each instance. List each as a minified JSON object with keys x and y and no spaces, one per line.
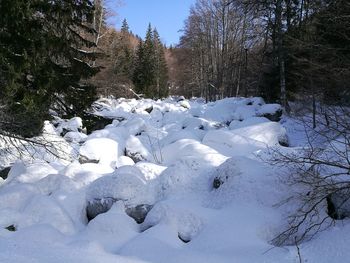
{"x":94,"y":122}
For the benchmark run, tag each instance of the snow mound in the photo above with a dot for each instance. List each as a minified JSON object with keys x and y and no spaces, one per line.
{"x":127,"y":184}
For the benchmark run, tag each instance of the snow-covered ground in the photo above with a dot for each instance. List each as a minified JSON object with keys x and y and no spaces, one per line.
{"x":196,"y":168}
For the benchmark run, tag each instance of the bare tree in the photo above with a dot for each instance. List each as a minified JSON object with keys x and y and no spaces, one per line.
{"x":319,"y":175}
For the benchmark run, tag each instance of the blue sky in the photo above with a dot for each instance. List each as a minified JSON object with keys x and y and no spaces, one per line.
{"x":166,"y":15}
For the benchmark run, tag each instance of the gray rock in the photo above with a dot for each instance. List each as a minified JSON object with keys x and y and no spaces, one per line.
{"x":217,"y":182}
{"x":276,"y":117}
{"x":5,"y":172}
{"x":149,"y":109}
{"x":183,"y":238}
{"x":338,"y":204}
{"x":83,"y":159}
{"x":11,"y":228}
{"x":94,"y":122}
{"x":99,"y":206}
{"x":135,"y":156}
{"x":139,"y":212}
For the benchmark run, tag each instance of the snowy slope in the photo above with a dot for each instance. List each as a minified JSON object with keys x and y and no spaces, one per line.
{"x":198,"y":167}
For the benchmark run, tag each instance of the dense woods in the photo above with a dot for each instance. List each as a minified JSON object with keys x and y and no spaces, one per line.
{"x":281,"y":50}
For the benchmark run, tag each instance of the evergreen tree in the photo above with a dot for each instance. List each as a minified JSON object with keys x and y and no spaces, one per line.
{"x":151,"y":74}
{"x":138,"y":74}
{"x":42,"y":62}
{"x":160,"y":69}
{"x":144,"y":78}
{"x":125,"y":27}
{"x":124,"y":54}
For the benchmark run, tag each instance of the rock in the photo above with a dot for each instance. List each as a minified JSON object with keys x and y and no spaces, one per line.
{"x":139,"y":212}
{"x":225,"y":174}
{"x":99,"y":206}
{"x":338,"y":204}
{"x":135,"y":149}
{"x":4,"y":172}
{"x":183,"y":238}
{"x":273,"y":112}
{"x":149,"y":109}
{"x":83,"y":159}
{"x":276,"y":117}
{"x":94,"y":122}
{"x":135,"y":156}
{"x":181,"y":98}
{"x":283,"y":140}
{"x":11,"y":228}
{"x":217,"y":183}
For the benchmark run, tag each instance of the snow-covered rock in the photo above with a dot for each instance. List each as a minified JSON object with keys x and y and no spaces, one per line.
{"x":101,"y":150}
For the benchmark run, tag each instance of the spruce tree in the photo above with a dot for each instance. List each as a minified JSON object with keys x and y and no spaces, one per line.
{"x":160,"y":68}
{"x":42,"y":61}
{"x":124,"y":54}
{"x":148,"y":62}
{"x":143,"y":76}
{"x":125,"y":27}
{"x":138,"y":74}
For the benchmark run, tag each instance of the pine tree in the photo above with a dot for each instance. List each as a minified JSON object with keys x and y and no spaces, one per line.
{"x":42,"y":61}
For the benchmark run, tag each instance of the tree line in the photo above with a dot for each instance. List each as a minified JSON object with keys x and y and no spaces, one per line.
{"x":278,"y":49}
{"x":58,"y":56}
{"x":61,"y":55}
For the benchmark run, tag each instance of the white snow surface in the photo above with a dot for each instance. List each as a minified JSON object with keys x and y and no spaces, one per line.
{"x":165,"y":154}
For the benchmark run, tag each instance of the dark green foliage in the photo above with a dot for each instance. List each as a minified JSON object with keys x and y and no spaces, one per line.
{"x":150,"y":73}
{"x":124,"y":54}
{"x":317,"y":54}
{"x":160,"y":68}
{"x":42,"y":62}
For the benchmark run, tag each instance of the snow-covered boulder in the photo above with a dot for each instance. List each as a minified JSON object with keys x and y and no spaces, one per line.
{"x":127,"y":183}
{"x":100,"y":150}
{"x":273,"y":112}
{"x":268,"y":133}
{"x":182,"y":221}
{"x":225,"y":174}
{"x":75,"y":137}
{"x":136,"y":150}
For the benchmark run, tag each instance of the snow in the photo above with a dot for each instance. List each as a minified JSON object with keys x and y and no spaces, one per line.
{"x":199,"y":166}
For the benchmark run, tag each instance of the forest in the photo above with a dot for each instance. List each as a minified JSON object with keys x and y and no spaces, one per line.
{"x":295,"y":50}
